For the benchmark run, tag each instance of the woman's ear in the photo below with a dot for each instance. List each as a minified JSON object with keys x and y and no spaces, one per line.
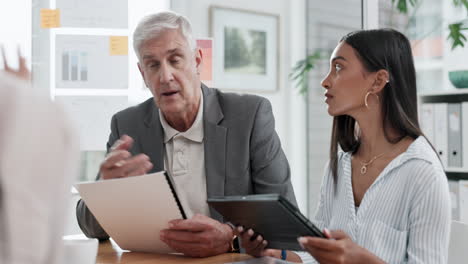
{"x":381,"y":79}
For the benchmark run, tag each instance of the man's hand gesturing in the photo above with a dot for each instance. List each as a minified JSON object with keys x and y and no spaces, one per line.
{"x":120,"y":163}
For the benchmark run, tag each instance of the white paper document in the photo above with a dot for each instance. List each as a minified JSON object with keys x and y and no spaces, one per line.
{"x":89,"y":62}
{"x":133,"y":210}
{"x":93,"y":13}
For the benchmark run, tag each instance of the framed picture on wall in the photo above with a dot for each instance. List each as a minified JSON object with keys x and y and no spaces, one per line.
{"x":245,"y":49}
{"x":206,"y":71}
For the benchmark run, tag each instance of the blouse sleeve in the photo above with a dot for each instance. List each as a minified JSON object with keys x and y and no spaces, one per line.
{"x":430,"y":217}
{"x":323,"y":213}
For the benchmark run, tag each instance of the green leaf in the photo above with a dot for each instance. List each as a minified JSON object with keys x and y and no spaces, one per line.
{"x":464,"y":3}
{"x":402,"y":5}
{"x":300,"y":71}
{"x":456,"y":35}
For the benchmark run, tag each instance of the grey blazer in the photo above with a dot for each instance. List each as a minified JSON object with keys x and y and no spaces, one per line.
{"x":243,"y":153}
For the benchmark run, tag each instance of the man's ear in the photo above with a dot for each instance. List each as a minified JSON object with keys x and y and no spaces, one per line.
{"x":381,"y":79}
{"x":142,"y":73}
{"x":198,"y":59}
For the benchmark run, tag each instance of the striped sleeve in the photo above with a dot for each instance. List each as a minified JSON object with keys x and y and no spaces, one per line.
{"x":429,"y":218}
{"x":323,"y":215}
{"x":306,"y":257}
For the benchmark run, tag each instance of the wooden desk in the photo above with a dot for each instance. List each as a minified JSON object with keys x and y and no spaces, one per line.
{"x":110,"y":253}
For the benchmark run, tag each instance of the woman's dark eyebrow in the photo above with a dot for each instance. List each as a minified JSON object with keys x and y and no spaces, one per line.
{"x":338,"y":58}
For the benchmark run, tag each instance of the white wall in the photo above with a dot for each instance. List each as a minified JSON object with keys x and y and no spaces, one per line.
{"x":15,"y":28}
{"x":288,"y":107}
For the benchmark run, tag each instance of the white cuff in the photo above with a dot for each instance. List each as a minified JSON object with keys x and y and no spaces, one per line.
{"x":305,"y":257}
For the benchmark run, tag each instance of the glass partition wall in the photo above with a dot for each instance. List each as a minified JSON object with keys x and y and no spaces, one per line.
{"x":327,"y":22}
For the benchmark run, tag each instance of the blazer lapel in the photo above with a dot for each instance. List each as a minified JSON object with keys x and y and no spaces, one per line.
{"x":152,"y":139}
{"x":215,"y":143}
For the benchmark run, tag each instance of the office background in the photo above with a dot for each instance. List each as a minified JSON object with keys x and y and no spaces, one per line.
{"x":304,"y":27}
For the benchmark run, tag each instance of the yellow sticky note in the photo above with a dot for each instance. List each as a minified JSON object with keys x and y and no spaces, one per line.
{"x":118,"y":45}
{"x":50,"y":18}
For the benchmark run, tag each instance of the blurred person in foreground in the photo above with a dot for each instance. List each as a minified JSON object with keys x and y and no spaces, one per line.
{"x":38,"y":160}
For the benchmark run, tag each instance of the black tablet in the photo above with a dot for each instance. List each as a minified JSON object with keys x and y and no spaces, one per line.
{"x":270,"y":215}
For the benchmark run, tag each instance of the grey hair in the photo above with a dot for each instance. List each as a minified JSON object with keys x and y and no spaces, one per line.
{"x":153,"y":25}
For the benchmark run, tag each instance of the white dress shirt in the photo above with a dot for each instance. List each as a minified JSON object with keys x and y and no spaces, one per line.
{"x":38,"y":161}
{"x":404,"y":217}
{"x":185,"y":162}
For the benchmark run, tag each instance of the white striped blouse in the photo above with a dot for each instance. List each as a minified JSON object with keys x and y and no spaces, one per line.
{"x":404,"y":217}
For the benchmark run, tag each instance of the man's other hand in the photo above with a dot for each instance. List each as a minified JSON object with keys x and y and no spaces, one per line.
{"x":22,"y":72}
{"x":199,"y":236}
{"x":119,"y":162}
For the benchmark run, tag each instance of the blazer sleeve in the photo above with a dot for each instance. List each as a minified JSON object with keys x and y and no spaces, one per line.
{"x":269,"y":166}
{"x":86,"y":220}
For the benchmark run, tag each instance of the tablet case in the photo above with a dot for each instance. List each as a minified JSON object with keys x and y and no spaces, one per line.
{"x":270,"y":215}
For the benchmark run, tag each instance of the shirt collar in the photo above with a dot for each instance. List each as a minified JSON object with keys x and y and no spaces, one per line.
{"x":419,"y":149}
{"x":194,"y":133}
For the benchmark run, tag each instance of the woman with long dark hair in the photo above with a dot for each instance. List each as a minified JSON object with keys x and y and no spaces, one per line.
{"x":384,"y":196}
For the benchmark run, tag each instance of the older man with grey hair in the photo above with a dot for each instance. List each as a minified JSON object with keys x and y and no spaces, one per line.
{"x":212,"y":143}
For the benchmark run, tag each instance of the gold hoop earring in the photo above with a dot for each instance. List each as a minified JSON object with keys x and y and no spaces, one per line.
{"x":365,"y":99}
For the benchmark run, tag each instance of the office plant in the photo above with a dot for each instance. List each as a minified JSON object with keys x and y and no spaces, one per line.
{"x":457,"y":37}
